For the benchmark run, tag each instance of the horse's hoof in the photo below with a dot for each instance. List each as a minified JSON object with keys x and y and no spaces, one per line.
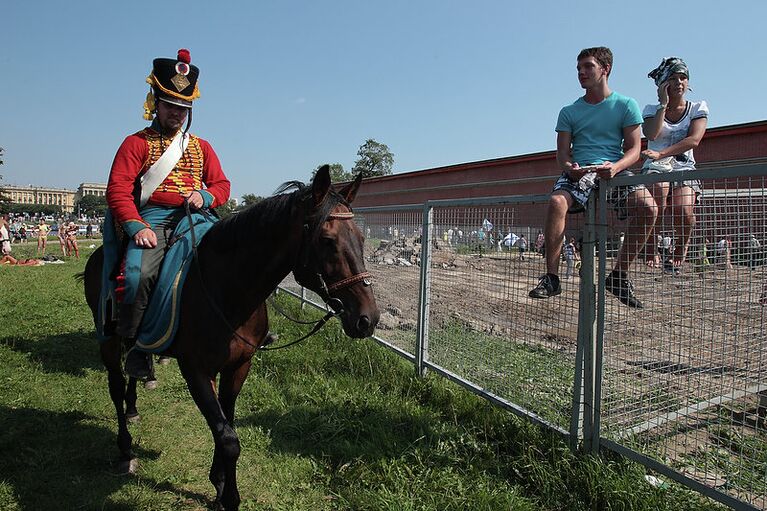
{"x":163,"y":361}
{"x":133,"y":418}
{"x":127,"y":467}
{"x":150,"y":384}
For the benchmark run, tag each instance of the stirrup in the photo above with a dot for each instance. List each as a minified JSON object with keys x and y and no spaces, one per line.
{"x":138,"y":364}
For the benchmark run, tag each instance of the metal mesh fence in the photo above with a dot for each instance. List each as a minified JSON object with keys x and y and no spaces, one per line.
{"x":392,"y":256}
{"x":684,"y":378}
{"x":679,"y":384}
{"x":483,"y":326}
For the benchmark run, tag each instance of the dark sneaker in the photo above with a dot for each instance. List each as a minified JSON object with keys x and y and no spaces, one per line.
{"x":621,"y":286}
{"x":138,"y":364}
{"x":547,"y":286}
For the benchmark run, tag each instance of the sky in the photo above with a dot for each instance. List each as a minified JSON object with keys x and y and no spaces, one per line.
{"x":289,"y":85}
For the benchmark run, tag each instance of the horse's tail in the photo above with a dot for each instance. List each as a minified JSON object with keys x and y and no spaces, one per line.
{"x":79,"y":277}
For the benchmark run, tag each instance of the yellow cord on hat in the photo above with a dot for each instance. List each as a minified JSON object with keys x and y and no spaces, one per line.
{"x":149,"y":106}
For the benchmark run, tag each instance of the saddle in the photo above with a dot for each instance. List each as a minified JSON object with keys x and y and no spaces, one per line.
{"x":160,"y":321}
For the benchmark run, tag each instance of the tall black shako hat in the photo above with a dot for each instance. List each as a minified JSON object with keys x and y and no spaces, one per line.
{"x":173,"y":81}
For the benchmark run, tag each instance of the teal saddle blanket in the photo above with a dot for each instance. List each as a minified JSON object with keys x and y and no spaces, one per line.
{"x":160,"y":321}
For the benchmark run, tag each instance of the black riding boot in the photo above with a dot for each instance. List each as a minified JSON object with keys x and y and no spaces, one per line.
{"x":138,"y":364}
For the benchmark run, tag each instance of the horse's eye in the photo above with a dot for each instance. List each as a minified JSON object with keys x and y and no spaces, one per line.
{"x":328,"y":242}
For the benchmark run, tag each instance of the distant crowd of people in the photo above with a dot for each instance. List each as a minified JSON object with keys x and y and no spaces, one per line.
{"x":19,"y":230}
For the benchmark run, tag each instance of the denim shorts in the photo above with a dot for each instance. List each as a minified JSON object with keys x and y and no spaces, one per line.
{"x":694,"y":184}
{"x":616,"y":197}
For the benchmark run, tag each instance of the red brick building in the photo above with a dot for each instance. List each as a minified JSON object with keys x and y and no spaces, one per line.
{"x":536,"y":173}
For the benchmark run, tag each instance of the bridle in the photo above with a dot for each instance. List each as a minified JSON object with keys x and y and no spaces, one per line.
{"x":324,"y":289}
{"x":335,"y":305}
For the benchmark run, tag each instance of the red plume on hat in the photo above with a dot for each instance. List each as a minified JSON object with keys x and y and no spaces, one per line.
{"x":184,"y":56}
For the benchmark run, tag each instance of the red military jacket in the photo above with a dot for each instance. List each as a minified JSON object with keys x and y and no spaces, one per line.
{"x":198,"y":170}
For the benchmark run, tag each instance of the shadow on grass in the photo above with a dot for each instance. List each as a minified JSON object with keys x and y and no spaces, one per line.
{"x":60,"y":460}
{"x":71,"y":353}
{"x":341,"y":432}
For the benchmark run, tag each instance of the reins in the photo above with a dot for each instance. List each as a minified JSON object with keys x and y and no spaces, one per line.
{"x":335,"y":304}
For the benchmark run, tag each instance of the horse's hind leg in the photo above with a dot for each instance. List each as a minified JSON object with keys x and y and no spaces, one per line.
{"x":227,"y":445}
{"x":110,"y":355}
{"x":131,"y":412}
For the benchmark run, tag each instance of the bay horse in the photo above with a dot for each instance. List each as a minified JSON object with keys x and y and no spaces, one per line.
{"x":241,"y":261}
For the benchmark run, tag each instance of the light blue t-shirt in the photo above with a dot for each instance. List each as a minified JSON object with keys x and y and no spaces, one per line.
{"x":597,"y":130}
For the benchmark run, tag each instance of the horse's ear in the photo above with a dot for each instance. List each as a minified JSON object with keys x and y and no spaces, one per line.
{"x":349,"y":192}
{"x":321,"y":184}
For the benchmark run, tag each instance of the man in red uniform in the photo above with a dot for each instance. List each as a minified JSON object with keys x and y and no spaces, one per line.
{"x":154,"y":172}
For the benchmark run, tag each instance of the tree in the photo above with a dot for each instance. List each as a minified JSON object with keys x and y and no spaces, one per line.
{"x":33,"y":209}
{"x":226,"y":209}
{"x":337,"y":173}
{"x":375,"y":159}
{"x":92,"y":205}
{"x":249,"y":199}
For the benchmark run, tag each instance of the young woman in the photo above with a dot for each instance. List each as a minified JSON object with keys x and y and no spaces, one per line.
{"x":62,"y":234}
{"x":71,"y":230}
{"x":674,"y":127}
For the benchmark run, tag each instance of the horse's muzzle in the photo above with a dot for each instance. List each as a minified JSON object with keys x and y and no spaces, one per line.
{"x":364,"y":326}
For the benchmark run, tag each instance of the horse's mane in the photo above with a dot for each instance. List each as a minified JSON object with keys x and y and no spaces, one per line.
{"x":258,"y":220}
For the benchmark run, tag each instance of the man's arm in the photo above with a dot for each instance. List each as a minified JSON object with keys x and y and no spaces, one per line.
{"x":126,"y":166}
{"x":565,"y":156}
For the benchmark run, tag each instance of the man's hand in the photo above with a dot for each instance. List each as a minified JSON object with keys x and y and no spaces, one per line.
{"x":605,"y":170}
{"x":574,"y":171}
{"x":145,"y":238}
{"x":195,"y":199}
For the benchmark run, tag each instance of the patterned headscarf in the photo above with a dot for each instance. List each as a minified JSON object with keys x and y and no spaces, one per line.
{"x":668,"y":67}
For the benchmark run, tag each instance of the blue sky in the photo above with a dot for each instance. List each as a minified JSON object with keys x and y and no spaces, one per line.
{"x":289,"y":85}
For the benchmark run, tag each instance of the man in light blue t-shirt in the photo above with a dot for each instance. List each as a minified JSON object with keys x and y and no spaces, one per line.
{"x":600,"y":130}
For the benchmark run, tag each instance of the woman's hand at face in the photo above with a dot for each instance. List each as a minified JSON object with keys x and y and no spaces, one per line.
{"x":663,"y":93}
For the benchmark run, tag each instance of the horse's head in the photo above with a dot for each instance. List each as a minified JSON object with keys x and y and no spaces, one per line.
{"x":331,"y":262}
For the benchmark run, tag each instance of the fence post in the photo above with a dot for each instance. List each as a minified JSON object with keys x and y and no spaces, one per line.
{"x":424,"y":292}
{"x":601,"y":232}
{"x":586,"y":320}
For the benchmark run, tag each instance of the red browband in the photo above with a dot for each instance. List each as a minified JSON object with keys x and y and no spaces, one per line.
{"x":345,"y":215}
{"x":350,"y":281}
{"x":360,"y":277}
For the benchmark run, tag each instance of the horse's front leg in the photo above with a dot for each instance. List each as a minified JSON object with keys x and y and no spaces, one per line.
{"x":227,"y":445}
{"x":229,"y":388}
{"x":110,"y":355}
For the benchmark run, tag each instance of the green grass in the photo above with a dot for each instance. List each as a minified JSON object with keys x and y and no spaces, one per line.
{"x":539,"y":379}
{"x":332,"y":424}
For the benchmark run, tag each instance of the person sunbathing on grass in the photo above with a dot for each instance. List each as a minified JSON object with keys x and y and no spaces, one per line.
{"x":10,"y":260}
